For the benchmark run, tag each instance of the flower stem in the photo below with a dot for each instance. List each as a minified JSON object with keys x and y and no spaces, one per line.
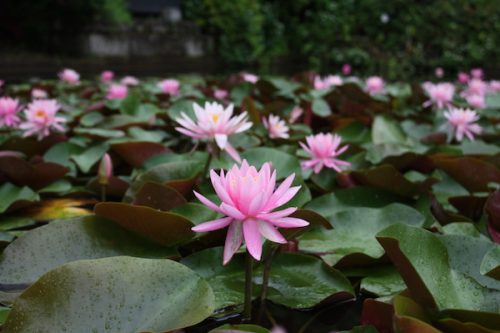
{"x":247,"y":310}
{"x":103,"y":193}
{"x":265,"y":280}
{"x":207,"y":165}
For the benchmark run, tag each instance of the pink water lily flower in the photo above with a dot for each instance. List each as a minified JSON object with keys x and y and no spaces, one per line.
{"x":276,"y":127}
{"x":462,"y":122}
{"x":346,"y":69}
{"x":41,"y":118}
{"x":295,"y":114}
{"x":439,"y":72}
{"x":248,"y":77}
{"x":476,"y":101}
{"x":214,"y":123}
{"x":170,"y":87}
{"x":374,"y":85}
{"x":69,"y":76}
{"x":440,"y":94}
{"x":327,"y":82}
{"x":38,"y":93}
{"x":130,"y":81}
{"x":107,"y":76}
{"x":9,"y":109}
{"x":475,"y":87}
{"x":477,"y":73}
{"x":117,"y":91}
{"x":323,"y":150}
{"x":463,"y":77}
{"x":494,"y":86}
{"x":249,"y":199}
{"x":220,"y":94}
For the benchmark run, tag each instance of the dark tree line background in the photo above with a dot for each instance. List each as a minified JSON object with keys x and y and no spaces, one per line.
{"x":395,"y":38}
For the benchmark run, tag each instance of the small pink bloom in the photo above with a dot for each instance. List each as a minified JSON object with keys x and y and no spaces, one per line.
{"x":11,"y":153}
{"x":107,"y":76}
{"x":476,"y":101}
{"x":214,"y":123}
{"x":462,"y":122}
{"x":129,"y":81}
{"x":117,"y":91}
{"x":327,"y":82}
{"x":220,"y":94}
{"x":494,"y":86}
{"x":440,"y":94}
{"x":375,"y":85}
{"x":323,"y":149}
{"x":9,"y":109}
{"x":41,"y":118}
{"x":249,"y":199}
{"x":295,"y":114}
{"x":252,"y":78}
{"x":477,"y":73}
{"x":37,"y":93}
{"x":475,"y":87}
{"x":105,"y":170}
{"x":276,"y":127}
{"x":463,"y":77}
{"x":439,"y":72}
{"x":346,"y":69}
{"x":69,"y":76}
{"x":170,"y":87}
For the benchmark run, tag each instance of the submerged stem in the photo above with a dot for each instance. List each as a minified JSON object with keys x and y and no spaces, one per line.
{"x":247,"y":310}
{"x":103,"y":193}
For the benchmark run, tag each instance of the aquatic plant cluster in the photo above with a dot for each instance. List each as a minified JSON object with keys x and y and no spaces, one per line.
{"x":250,"y":204}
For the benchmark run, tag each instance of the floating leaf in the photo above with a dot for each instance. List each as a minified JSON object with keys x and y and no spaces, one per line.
{"x":135,"y":153}
{"x":284,"y":163}
{"x":162,"y":227}
{"x":352,"y":241}
{"x":34,"y":175}
{"x":9,"y":194}
{"x":120,"y":294}
{"x":158,"y":196}
{"x":59,"y":242}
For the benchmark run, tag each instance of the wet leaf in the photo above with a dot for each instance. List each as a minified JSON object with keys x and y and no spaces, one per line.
{"x":9,"y":194}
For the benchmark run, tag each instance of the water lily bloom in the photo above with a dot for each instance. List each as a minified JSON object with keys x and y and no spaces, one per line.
{"x":476,"y":101}
{"x":248,"y":77}
{"x":107,"y":76}
{"x":440,"y":94}
{"x":105,"y":170}
{"x":69,"y":76}
{"x":220,"y":94}
{"x":295,"y":114}
{"x":475,"y":87}
{"x":41,"y":118}
{"x":130,"y":81}
{"x":462,"y":122}
{"x":117,"y":91}
{"x":494,"y":86}
{"x":249,"y":199}
{"x":477,"y":73}
{"x":439,"y":72}
{"x":38,"y":93}
{"x":323,"y":150}
{"x":463,"y":77}
{"x":276,"y":127}
{"x":374,"y":85}
{"x":327,"y":82}
{"x":214,"y":123}
{"x":346,"y":69}
{"x":9,"y":109}
{"x":170,"y":87}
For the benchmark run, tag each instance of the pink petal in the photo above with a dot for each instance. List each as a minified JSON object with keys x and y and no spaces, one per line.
{"x":232,"y":211}
{"x":232,"y":152}
{"x":207,"y":202}
{"x":269,"y":231}
{"x":253,"y":239}
{"x":234,"y":238}
{"x":221,"y":140}
{"x":287,"y":196}
{"x":277,"y":214}
{"x":213,"y":225}
{"x":289,"y":222}
{"x":219,"y":188}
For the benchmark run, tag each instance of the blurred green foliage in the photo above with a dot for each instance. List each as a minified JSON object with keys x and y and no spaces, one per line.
{"x":396,"y":38}
{"x":34,"y":25}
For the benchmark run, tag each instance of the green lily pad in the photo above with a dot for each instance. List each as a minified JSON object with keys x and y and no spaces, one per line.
{"x":62,"y":241}
{"x":490,"y":264}
{"x":228,"y":328}
{"x":120,"y":294}
{"x":285,"y":164}
{"x":296,"y":280}
{"x":10,"y":193}
{"x":352,"y":241}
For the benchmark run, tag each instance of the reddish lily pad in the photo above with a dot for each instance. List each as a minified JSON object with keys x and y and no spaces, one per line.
{"x":135,"y":153}
{"x":158,"y":196}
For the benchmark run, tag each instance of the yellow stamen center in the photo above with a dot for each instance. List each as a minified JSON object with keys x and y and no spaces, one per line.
{"x":215,"y":118}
